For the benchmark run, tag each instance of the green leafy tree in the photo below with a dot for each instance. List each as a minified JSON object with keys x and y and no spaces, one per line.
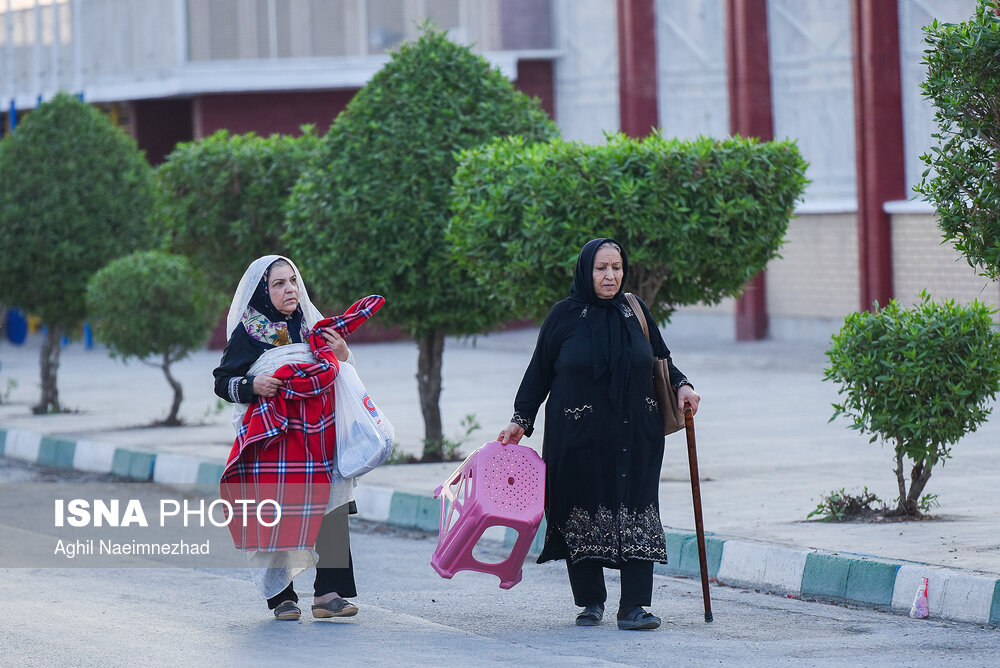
{"x":223,"y":198}
{"x":153,"y":304}
{"x":698,"y":218}
{"x":917,"y":378}
{"x":370,"y":217}
{"x":962,"y":179}
{"x":76,"y":193}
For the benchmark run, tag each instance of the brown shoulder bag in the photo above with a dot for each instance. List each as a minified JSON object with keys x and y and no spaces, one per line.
{"x":673,"y":418}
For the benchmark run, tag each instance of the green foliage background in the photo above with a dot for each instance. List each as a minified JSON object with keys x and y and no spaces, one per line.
{"x":962,"y":180}
{"x":697,"y":218}
{"x":370,"y":216}
{"x":152,"y":303}
{"x":223,"y":198}
{"x":76,"y":193}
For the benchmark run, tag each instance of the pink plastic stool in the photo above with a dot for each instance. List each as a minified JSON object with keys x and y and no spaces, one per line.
{"x":497,"y":485}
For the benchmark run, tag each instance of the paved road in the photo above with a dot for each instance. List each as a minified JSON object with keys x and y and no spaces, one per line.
{"x":409,"y":616}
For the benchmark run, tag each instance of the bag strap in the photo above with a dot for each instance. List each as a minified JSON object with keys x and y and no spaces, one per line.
{"x":634,"y":303}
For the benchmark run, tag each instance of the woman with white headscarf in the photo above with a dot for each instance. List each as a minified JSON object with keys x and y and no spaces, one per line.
{"x":278,"y":368}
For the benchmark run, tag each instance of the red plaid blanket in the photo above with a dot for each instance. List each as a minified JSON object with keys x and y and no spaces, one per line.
{"x":284,"y":450}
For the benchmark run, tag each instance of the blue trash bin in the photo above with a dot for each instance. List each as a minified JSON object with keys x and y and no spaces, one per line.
{"x":16,"y":326}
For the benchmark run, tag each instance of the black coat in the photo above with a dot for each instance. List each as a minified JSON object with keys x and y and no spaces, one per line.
{"x":602,"y":464}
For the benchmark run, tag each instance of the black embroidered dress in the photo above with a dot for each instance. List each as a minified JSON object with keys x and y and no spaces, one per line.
{"x":603,"y":440}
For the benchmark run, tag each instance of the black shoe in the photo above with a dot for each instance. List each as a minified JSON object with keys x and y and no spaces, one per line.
{"x":287,"y":611}
{"x":638,"y":619}
{"x":591,"y":615}
{"x":337,"y":607}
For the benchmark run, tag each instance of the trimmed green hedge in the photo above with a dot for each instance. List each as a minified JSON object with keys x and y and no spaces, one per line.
{"x":697,"y":218}
{"x":76,"y":193}
{"x":223,"y":198}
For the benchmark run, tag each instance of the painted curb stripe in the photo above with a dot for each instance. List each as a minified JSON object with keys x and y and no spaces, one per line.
{"x":967,"y":597}
{"x":871,"y":582}
{"x":209,"y":473}
{"x":374,"y":503}
{"x":208,"y":476}
{"x":56,"y":452}
{"x":134,"y":465}
{"x":907,"y":581}
{"x":511,"y":535}
{"x":952,"y":595}
{"x":759,"y":564}
{"x":415,"y":511}
{"x":825,"y":576}
{"x":171,"y":468}
{"x":539,"y":539}
{"x":96,"y":457}
{"x":995,"y":607}
{"x":866,"y":581}
{"x":23,"y":445}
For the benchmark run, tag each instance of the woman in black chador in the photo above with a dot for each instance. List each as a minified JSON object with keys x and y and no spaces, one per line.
{"x":603,"y":441}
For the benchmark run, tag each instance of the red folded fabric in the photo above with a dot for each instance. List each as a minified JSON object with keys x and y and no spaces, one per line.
{"x":284,"y":449}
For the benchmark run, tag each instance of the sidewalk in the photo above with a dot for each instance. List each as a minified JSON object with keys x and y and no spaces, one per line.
{"x":766,"y":454}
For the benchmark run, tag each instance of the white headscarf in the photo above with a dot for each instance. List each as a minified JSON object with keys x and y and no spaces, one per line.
{"x":250,"y":281}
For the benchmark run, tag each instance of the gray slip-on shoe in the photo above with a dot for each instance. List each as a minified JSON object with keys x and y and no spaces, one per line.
{"x":591,"y":615}
{"x":639,"y":620}
{"x":287,"y":611}
{"x":337,"y":607}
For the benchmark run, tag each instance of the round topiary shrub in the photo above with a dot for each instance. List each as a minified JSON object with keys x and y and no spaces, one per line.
{"x":370,"y":214}
{"x":698,"y":217}
{"x":918,"y":378}
{"x":223,"y":198}
{"x":152,"y":304}
{"x":76,"y":192}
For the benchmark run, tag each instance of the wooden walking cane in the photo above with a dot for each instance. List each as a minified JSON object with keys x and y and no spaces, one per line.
{"x":699,"y":527}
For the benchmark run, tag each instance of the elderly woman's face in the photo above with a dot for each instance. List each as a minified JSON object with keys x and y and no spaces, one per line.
{"x":283,"y":287}
{"x":608,"y":272}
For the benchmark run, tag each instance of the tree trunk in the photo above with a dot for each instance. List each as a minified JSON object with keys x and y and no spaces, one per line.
{"x":49,"y":401}
{"x":431,"y":349}
{"x":172,"y":420}
{"x":919,"y":476}
{"x":900,"y":480}
{"x":647,"y":284}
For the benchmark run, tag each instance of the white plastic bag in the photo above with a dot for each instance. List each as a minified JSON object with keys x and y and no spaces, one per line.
{"x":364,"y":435}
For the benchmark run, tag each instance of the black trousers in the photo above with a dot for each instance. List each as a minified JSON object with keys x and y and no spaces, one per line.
{"x":587,"y":580}
{"x":334,"y":548}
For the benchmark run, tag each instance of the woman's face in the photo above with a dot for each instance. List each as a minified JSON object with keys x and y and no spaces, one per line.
{"x":608,"y":272}
{"x":283,"y":287}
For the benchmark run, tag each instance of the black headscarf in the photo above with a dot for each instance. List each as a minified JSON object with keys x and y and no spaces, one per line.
{"x":610,"y":341}
{"x":261,"y":302}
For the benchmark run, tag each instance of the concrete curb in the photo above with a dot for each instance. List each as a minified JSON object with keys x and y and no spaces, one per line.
{"x":858,"y":579}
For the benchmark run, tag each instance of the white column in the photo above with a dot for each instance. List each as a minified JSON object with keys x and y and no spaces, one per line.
{"x":78,"y":46}
{"x":180,"y":33}
{"x":272,"y":29}
{"x":36,"y":73}
{"x":54,"y":50}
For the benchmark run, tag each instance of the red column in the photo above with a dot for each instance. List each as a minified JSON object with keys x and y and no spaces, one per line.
{"x":637,"y":85}
{"x":878,"y":127}
{"x":749,"y":75}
